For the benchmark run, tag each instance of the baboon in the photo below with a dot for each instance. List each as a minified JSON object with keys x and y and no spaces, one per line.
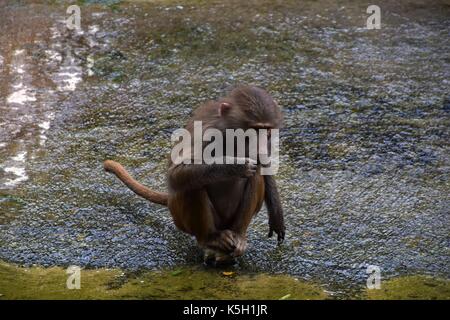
{"x":216,"y":202}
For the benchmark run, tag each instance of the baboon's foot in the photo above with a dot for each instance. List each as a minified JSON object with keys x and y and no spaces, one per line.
{"x":224,"y":259}
{"x":209,"y":257}
{"x":217,"y":258}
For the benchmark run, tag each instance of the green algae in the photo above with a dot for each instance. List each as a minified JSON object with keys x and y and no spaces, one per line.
{"x":196,"y":282}
{"x":184,"y":283}
{"x":411,"y":288}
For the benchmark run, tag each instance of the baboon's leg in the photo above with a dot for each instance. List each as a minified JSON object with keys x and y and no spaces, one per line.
{"x":193,"y":213}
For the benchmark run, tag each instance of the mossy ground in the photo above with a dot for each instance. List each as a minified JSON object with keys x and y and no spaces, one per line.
{"x":187,"y":283}
{"x":412,"y":287}
{"x":193,"y":283}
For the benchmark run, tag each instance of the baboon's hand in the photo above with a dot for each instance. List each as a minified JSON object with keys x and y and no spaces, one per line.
{"x":241,"y":245}
{"x":274,"y":208}
{"x":248,"y":168}
{"x":224,"y":241}
{"x":277,"y":226}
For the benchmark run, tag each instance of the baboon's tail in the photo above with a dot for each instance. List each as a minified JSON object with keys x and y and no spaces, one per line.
{"x":138,"y":188}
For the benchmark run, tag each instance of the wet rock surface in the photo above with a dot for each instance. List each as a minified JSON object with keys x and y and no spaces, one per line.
{"x":364,"y":173}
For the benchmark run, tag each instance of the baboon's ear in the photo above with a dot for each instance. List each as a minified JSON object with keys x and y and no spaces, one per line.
{"x":224,"y":108}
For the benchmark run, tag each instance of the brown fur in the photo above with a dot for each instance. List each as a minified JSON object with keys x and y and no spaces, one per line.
{"x":216,"y":203}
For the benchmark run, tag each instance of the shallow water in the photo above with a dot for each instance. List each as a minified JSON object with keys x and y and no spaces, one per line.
{"x":364,"y":176}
